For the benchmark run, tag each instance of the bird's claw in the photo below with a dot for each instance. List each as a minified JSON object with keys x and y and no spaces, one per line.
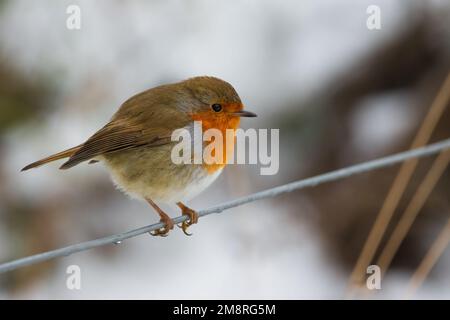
{"x":184,"y":226}
{"x":193,"y":218}
{"x":164,"y":231}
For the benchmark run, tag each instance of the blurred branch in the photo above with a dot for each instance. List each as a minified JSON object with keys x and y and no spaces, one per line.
{"x":413,"y":209}
{"x":297,"y":185}
{"x":398,"y":187}
{"x":428,"y":262}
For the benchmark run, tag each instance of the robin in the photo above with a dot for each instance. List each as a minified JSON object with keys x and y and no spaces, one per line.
{"x":136,"y":144}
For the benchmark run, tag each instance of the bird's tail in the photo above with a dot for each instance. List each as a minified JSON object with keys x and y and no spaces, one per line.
{"x":61,"y":155}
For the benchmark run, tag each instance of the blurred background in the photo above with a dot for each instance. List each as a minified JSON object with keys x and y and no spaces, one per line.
{"x":339,"y":93}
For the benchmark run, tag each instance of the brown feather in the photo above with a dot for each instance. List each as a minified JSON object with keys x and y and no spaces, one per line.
{"x":145,"y":120}
{"x":61,"y":155}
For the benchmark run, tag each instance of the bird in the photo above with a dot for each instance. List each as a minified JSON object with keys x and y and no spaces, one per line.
{"x":135,"y":145}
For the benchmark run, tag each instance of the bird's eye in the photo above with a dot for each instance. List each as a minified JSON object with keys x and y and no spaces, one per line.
{"x":216,"y":107}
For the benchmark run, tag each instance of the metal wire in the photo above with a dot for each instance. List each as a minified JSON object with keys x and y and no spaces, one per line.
{"x":269,"y":193}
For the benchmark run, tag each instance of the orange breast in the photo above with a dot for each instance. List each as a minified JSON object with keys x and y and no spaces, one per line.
{"x":221,"y":122}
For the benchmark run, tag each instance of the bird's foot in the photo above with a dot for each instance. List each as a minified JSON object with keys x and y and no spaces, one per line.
{"x":193,"y":218}
{"x":164,"y":231}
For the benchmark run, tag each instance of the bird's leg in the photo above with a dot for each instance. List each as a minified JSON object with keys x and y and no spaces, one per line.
{"x":193,"y":217}
{"x":164,"y":218}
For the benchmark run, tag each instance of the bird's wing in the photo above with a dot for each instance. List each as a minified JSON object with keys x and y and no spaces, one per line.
{"x":139,"y":122}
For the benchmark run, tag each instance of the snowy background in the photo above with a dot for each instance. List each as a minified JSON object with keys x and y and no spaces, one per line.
{"x":283,"y":57}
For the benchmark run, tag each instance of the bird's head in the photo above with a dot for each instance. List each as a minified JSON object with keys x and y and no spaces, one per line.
{"x":219,"y":105}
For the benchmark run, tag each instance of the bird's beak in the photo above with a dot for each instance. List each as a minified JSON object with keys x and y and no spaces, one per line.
{"x":244,"y":113}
